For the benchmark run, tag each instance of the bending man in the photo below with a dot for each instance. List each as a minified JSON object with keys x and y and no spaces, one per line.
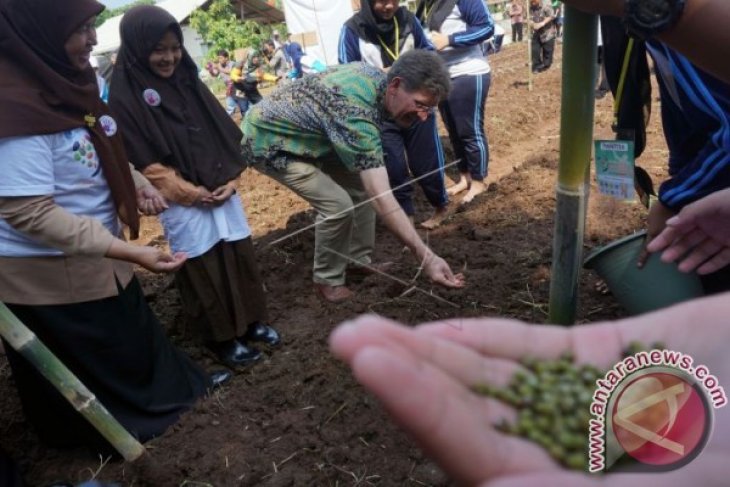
{"x":320,"y":137}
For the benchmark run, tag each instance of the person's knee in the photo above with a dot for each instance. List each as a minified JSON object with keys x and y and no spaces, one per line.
{"x":340,"y":210}
{"x":397,"y":171}
{"x":404,"y":195}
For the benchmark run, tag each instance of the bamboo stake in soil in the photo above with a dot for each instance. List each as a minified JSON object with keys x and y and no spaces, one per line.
{"x":32,"y":349}
{"x":576,"y":137}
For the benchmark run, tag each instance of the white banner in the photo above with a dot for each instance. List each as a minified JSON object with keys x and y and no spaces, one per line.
{"x":316,"y":25}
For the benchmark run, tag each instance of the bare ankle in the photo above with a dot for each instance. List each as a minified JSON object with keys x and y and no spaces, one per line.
{"x":477,"y":188}
{"x":462,"y":185}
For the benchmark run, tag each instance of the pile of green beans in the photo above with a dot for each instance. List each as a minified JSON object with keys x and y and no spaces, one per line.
{"x":553,"y":399}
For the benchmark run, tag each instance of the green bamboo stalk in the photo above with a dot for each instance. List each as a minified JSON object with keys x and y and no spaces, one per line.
{"x":29,"y":346}
{"x":576,"y":138}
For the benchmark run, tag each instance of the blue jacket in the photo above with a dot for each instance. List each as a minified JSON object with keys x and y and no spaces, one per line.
{"x":696,"y":120}
{"x":475,"y":26}
{"x":350,"y":45}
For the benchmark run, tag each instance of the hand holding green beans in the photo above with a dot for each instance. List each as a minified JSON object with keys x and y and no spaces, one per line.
{"x":425,"y":378}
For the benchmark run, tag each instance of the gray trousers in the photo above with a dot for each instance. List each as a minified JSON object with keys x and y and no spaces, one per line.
{"x":343,"y":234}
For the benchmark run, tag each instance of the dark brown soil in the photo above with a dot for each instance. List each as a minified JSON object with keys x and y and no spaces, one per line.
{"x":298,"y":418}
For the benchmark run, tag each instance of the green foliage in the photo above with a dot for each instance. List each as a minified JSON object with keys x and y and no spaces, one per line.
{"x":216,"y":85}
{"x":109,"y":13}
{"x":221,"y":28}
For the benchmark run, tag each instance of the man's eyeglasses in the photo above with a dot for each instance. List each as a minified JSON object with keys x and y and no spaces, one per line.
{"x":423,"y":108}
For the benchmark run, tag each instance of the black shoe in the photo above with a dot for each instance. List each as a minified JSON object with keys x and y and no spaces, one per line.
{"x":234,"y":354}
{"x":261,"y":332}
{"x":219,"y":377}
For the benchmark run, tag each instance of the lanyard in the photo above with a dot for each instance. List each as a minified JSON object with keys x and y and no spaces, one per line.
{"x":393,"y":55}
{"x":622,"y":81}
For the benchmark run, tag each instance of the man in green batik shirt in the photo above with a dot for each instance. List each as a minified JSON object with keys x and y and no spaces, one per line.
{"x":320,"y":137}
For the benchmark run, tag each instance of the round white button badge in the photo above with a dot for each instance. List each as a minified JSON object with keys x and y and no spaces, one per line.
{"x":151,"y":97}
{"x":108,"y":125}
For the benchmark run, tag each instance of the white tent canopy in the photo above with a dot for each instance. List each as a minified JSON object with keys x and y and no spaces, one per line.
{"x":107,"y":35}
{"x":316,"y":25}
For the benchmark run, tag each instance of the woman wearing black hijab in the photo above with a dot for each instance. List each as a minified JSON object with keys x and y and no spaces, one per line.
{"x":377,"y":35}
{"x":178,"y":134}
{"x":64,"y":265}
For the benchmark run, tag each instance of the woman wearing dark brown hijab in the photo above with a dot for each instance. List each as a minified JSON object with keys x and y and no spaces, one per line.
{"x":180,"y":137}
{"x":65,"y":269}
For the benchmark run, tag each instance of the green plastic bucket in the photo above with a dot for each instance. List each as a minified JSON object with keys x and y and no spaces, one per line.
{"x":657,"y":285}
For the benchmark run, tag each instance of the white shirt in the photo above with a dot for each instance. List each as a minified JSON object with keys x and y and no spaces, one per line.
{"x":63,"y":165}
{"x":370,"y":53}
{"x":195,"y":230}
{"x":462,"y":61}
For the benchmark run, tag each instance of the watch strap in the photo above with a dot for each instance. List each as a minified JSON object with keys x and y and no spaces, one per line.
{"x":642,"y":26}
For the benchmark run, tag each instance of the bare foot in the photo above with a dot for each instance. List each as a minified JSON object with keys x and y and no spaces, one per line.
{"x":477,"y":188}
{"x":462,"y":185}
{"x":438,"y":217}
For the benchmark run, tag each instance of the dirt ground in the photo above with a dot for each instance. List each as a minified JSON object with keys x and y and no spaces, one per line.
{"x":298,"y":417}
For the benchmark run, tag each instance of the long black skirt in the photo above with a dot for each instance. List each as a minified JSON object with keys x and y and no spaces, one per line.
{"x":118,"y":349}
{"x":222,"y":291}
{"x":9,"y":473}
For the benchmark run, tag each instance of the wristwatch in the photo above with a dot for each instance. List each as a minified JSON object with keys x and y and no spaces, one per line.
{"x":646,"y":18}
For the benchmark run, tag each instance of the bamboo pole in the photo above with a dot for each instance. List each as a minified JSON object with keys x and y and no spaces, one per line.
{"x":576,"y":138}
{"x":32,"y":349}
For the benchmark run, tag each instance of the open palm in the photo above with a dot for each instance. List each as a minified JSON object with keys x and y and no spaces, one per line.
{"x":423,"y":377}
{"x":699,"y":236}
